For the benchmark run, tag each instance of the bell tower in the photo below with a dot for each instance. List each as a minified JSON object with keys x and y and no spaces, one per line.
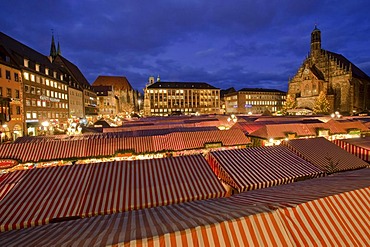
{"x":315,"y":41}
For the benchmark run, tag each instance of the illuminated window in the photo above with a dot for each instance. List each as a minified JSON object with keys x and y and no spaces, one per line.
{"x":28,"y":115}
{"x":37,"y":67}
{"x":34,"y":115}
{"x":26,"y":62}
{"x":47,"y":82}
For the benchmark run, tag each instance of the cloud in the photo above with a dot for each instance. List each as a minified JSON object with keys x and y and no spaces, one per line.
{"x":240,"y":43}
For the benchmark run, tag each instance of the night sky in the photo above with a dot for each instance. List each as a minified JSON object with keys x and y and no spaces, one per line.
{"x":236,"y":43}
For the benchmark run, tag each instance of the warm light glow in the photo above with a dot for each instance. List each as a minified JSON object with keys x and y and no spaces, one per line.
{"x":45,"y":123}
{"x":5,"y":125}
{"x":271,"y":140}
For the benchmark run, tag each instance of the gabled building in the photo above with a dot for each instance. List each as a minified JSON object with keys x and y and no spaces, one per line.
{"x":82,"y":98}
{"x":115,"y":96}
{"x":44,"y":91}
{"x":176,"y":98}
{"x":347,"y":87}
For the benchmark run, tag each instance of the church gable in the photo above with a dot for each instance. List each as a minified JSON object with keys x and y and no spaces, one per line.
{"x":346,"y":86}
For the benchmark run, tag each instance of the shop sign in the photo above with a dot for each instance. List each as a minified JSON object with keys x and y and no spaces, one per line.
{"x":54,"y":100}
{"x":43,"y":97}
{"x":7,"y":163}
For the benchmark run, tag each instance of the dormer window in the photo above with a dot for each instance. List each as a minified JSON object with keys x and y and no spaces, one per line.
{"x":37,"y":67}
{"x":26,"y":62}
{"x":46,"y":71}
{"x":55,"y":74}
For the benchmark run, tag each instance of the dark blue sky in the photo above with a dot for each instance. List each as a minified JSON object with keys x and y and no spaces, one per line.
{"x":237,"y":43}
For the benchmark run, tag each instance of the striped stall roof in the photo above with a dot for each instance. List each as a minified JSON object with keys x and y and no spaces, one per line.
{"x":51,"y":194}
{"x":100,"y":145}
{"x":359,"y":147}
{"x":260,"y":167}
{"x":325,"y":155}
{"x":232,"y":221}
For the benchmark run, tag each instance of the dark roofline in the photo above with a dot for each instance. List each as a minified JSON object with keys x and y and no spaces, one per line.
{"x":265,"y":90}
{"x":356,"y":71}
{"x":174,"y":85}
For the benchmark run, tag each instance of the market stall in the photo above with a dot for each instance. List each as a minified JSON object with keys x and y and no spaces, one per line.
{"x":260,"y":167}
{"x":337,"y":215}
{"x":40,"y":196}
{"x":325,"y":155}
{"x":359,"y":147}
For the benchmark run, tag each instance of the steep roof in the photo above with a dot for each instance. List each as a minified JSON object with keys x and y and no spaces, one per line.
{"x":20,"y":51}
{"x":356,"y":72}
{"x":118,"y":82}
{"x":73,"y":70}
{"x":193,"y":85}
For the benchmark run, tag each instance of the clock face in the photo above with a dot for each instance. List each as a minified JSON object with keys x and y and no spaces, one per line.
{"x":306,"y":71}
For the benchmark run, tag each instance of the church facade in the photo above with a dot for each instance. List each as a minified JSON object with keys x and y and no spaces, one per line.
{"x":347,"y":87}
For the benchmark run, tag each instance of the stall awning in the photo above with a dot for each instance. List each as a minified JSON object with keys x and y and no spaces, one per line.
{"x":48,"y":194}
{"x":261,"y":167}
{"x":325,"y":155}
{"x":337,"y":215}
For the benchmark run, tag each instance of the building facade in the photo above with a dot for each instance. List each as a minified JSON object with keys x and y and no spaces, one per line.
{"x":347,"y":87}
{"x":254,"y":101}
{"x":115,"y":96}
{"x":175,"y":98}
{"x":11,"y":122}
{"x":39,"y":88}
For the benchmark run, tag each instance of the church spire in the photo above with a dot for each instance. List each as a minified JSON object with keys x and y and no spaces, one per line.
{"x":53,"y":50}
{"x":58,"y":50}
{"x":315,"y":41}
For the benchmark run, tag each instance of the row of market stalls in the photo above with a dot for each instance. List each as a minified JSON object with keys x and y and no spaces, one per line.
{"x":40,"y":196}
{"x":327,"y":211}
{"x":108,"y":145}
{"x":273,"y":133}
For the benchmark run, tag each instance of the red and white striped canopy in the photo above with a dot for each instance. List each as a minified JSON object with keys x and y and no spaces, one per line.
{"x":359,"y":147}
{"x":325,"y":155}
{"x":103,"y":145}
{"x":260,"y":167}
{"x":48,"y":194}
{"x":338,"y":215}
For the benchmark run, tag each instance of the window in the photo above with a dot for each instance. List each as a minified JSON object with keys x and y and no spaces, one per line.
{"x":32,"y":77}
{"x":7,"y":74}
{"x":34,"y":115}
{"x":38,"y":79}
{"x":16,"y":77}
{"x":26,"y":88}
{"x":38,"y":91}
{"x":17,"y":94}
{"x":37,"y":67}
{"x":18,"y":110}
{"x":1,"y":91}
{"x":38,"y":102}
{"x":47,"y":72}
{"x":33,"y":102}
{"x":28,"y":115}
{"x":28,"y":102}
{"x":26,"y":76}
{"x":9,"y":92}
{"x":26,"y":62}
{"x":52,"y":94}
{"x":33,"y":90}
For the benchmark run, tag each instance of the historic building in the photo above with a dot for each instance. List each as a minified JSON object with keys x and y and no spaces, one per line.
{"x":347,"y":87}
{"x":11,"y":122}
{"x":40,"y":90}
{"x":254,"y":101}
{"x":175,"y":98}
{"x":115,"y":96}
